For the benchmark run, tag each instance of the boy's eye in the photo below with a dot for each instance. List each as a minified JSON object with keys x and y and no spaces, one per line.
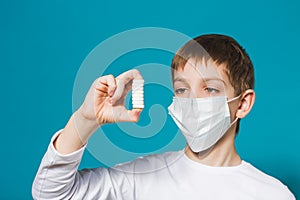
{"x":180,"y":90}
{"x":211,"y":90}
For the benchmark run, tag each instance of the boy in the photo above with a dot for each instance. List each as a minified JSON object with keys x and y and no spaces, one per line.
{"x":213,"y":82}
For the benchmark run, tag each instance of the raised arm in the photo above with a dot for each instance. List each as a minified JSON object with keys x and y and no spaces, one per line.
{"x":58,"y":176}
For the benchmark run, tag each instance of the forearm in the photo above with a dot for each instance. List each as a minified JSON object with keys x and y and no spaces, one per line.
{"x":58,"y":178}
{"x":75,"y":134}
{"x":55,"y":178}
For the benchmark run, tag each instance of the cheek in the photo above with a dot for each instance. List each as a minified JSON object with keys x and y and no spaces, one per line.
{"x":233,"y":107}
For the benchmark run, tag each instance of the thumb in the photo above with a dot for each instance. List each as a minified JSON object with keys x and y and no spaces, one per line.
{"x":131,"y":115}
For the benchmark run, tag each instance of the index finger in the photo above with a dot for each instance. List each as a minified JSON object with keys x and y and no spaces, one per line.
{"x":124,"y":79}
{"x":127,"y":76}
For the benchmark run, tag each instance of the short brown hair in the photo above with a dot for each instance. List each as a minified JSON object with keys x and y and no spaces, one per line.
{"x":221,"y":49}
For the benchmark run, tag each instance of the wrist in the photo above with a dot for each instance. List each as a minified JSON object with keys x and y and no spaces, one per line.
{"x":84,"y":127}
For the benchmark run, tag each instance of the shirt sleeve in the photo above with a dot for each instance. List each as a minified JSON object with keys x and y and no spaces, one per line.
{"x":58,"y":177}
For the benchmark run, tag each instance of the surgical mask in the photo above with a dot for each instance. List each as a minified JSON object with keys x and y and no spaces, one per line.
{"x":202,"y":121}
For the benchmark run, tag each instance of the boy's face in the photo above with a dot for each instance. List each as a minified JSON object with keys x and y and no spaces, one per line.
{"x":200,"y":79}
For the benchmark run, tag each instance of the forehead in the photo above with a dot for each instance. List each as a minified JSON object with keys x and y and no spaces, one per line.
{"x":195,"y":70}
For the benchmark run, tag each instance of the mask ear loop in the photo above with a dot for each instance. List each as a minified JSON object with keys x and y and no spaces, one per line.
{"x":234,"y":98}
{"x":228,"y":101}
{"x":234,"y":121}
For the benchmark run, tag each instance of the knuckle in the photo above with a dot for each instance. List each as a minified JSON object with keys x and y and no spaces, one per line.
{"x":110,"y":76}
{"x":135,"y":72}
{"x":98,"y":80}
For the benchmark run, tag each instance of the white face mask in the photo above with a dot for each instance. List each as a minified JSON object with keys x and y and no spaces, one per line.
{"x":203,"y":121}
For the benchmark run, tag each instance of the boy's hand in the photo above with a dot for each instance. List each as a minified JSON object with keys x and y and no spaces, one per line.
{"x":104,"y":102}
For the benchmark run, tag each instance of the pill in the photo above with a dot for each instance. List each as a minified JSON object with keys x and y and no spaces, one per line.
{"x":138,"y":81}
{"x":138,"y":99}
{"x":137,"y":96}
{"x":138,"y":93}
{"x":138,"y":106}
{"x":140,"y":87}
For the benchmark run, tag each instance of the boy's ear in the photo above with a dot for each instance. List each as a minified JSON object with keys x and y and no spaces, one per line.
{"x":246,"y":104}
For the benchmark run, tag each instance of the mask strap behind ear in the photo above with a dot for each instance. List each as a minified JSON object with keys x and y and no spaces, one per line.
{"x":234,"y":121}
{"x":233,"y":99}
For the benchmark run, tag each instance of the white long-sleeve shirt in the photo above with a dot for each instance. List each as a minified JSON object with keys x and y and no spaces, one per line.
{"x":166,"y":176}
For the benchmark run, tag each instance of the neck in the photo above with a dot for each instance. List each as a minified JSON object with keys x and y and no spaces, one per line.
{"x":222,"y":154}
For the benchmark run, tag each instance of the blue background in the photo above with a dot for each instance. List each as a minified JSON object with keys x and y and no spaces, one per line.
{"x":43,"y":44}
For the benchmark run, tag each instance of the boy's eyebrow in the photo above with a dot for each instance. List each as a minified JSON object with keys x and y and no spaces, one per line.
{"x":180,"y":79}
{"x":214,"y":79}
